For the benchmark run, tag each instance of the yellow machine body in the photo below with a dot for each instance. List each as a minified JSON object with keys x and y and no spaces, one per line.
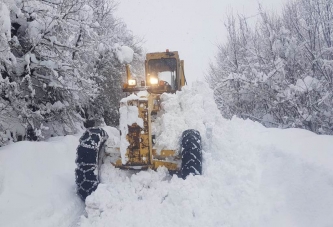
{"x":164,"y":73}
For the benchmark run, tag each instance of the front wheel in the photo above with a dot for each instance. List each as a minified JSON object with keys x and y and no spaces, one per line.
{"x":88,"y":155}
{"x":191,"y":153}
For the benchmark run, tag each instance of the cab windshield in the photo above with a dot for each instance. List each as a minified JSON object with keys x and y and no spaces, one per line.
{"x":164,"y":69}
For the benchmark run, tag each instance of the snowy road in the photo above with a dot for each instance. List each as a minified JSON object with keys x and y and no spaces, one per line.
{"x":37,"y":187}
{"x":252,"y":176}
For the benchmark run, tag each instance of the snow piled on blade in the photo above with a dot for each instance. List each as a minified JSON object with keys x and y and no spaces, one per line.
{"x":252,"y":175}
{"x":188,"y":109}
{"x":128,"y":116}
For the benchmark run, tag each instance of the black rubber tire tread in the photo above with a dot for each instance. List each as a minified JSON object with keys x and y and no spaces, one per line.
{"x":192,"y":133}
{"x":87,"y":155}
{"x":191,"y":153}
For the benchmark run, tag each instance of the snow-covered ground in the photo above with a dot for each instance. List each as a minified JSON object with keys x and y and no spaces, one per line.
{"x":37,"y":184}
{"x":252,"y":176}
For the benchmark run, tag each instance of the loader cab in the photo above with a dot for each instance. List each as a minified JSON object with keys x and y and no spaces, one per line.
{"x":164,"y":72}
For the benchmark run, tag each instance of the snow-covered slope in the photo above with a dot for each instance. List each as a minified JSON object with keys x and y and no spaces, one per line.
{"x":37,"y":184}
{"x":252,"y":176}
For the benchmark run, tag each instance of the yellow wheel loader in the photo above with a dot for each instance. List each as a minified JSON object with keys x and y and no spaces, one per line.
{"x":164,"y":73}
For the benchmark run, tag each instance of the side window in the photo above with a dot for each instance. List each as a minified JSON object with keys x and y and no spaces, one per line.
{"x":169,"y":77}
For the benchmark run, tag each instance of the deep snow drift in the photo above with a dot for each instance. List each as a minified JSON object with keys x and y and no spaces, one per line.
{"x":37,"y":184}
{"x":252,"y":176}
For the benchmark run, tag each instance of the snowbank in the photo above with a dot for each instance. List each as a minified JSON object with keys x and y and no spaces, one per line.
{"x":37,"y":184}
{"x":252,"y":175}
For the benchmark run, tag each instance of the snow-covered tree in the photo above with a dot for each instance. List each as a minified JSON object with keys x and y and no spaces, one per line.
{"x":59,"y":65}
{"x":280,"y":72}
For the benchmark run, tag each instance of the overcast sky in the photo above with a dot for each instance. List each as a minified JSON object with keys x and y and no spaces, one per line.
{"x":192,"y":27}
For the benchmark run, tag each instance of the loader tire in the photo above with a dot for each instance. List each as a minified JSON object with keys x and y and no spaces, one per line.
{"x":88,"y":162}
{"x":191,"y":153}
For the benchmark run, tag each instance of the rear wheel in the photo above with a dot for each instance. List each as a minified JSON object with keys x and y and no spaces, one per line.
{"x":191,"y":153}
{"x":88,"y":162}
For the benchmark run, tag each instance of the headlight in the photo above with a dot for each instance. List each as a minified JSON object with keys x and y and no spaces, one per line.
{"x":153,"y":80}
{"x":131,"y":82}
